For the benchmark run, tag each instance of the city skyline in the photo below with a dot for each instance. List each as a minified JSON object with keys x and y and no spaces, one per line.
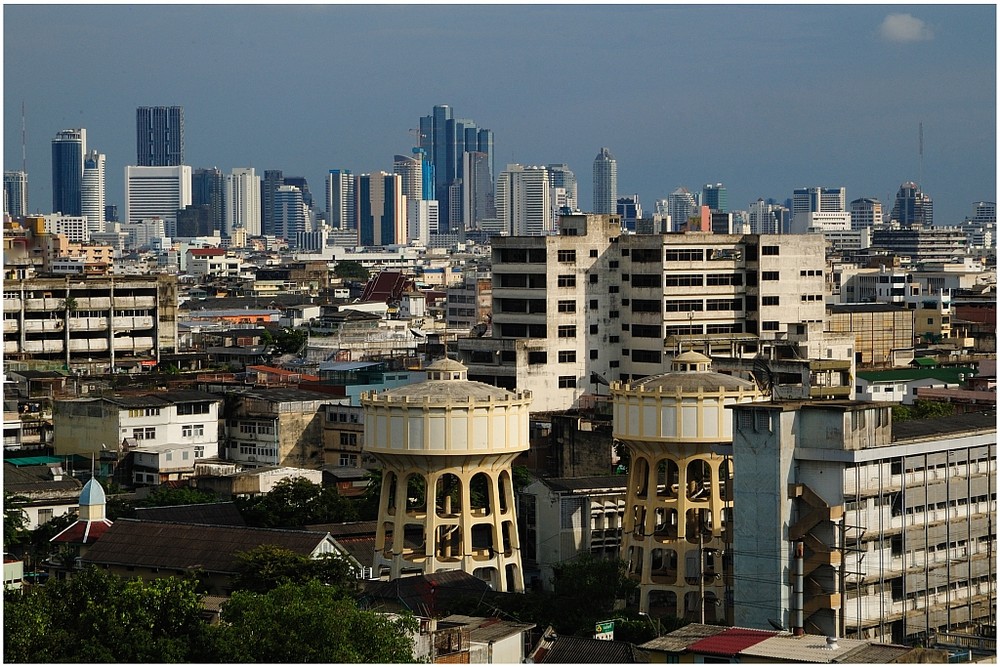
{"x":823,"y":101}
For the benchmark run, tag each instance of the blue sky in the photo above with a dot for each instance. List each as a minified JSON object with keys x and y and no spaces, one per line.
{"x":762,"y":98}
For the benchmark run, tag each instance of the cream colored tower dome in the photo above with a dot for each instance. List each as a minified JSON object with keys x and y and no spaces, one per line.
{"x":679,"y":505}
{"x":447,"y":497}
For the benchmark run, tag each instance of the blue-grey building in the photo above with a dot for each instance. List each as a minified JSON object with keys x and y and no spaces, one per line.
{"x":159,"y":136}
{"x":68,"y":149}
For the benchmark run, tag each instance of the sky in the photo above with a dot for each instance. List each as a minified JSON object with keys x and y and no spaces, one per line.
{"x":762,"y":98}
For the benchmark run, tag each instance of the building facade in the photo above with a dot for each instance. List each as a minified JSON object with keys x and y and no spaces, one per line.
{"x":91,"y":323}
{"x":92,"y":193}
{"x":68,"y":150}
{"x":381,"y":209}
{"x":849,"y":525}
{"x":340,"y":200}
{"x":605,"y":182}
{"x":523,"y":204}
{"x":242,"y":202}
{"x":159,"y":136}
{"x":157,"y":192}
{"x":15,"y":193}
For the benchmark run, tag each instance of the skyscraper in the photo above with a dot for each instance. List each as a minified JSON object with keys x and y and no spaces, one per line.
{"x":273,"y":179}
{"x":340,"y":204}
{"x":715,"y":197}
{"x":866,"y":213}
{"x":819,"y":200}
{"x":291,"y":215}
{"x":766,"y":217}
{"x":630,"y":211}
{"x":242,"y":202}
{"x":157,"y":192}
{"x":561,"y":176}
{"x":478,"y":201}
{"x":410,"y":171}
{"x":605,"y":182}
{"x":680,"y":206}
{"x":207,"y":188}
{"x":522,"y":201}
{"x":92,"y":193}
{"x":68,"y":149}
{"x":444,"y":140}
{"x":913,"y":208}
{"x":15,"y":193}
{"x":159,"y":136}
{"x":381,"y":209}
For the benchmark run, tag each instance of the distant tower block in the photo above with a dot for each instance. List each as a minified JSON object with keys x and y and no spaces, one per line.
{"x":447,"y":498}
{"x":679,"y":437}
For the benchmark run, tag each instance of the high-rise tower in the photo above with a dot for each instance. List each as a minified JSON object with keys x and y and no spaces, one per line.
{"x":381,"y":209}
{"x":913,"y":208}
{"x":680,"y":206}
{"x":447,"y":497}
{"x":605,"y":182}
{"x":715,"y":197}
{"x":340,"y":203}
{"x":523,"y":202}
{"x":242,"y":202}
{"x":159,"y":136}
{"x":92,"y":193}
{"x":207,"y":188}
{"x":68,"y":149}
{"x":15,"y":193}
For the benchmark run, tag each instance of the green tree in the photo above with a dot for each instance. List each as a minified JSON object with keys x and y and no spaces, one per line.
{"x":266,"y":567}
{"x":308,"y":623}
{"x":350,"y":270}
{"x":593,"y":582}
{"x":15,"y":521}
{"x":290,"y":341}
{"x":297,"y":502}
{"x":922,"y":409}
{"x":98,"y":617}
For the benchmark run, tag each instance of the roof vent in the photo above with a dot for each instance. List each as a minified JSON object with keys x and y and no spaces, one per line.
{"x":831,"y":643}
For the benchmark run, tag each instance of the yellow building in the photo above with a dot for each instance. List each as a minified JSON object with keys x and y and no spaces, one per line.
{"x":447,"y":497}
{"x":678,"y":510}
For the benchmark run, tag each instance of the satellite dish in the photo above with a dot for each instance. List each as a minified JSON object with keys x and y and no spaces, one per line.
{"x":763,"y":376}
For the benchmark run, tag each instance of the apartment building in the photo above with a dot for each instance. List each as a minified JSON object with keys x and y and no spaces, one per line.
{"x":849,"y":525}
{"x":91,"y":324}
{"x":122,"y":422}
{"x":597,"y":306}
{"x":275,"y":427}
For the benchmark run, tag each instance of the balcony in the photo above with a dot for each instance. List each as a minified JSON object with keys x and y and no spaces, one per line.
{"x":135,"y":302}
{"x":46,"y":304}
{"x":93,"y":303}
{"x":88,"y":345}
{"x":132,"y":323}
{"x":10,"y":305}
{"x":11,"y":326}
{"x":42,"y":346}
{"x":88,"y":324}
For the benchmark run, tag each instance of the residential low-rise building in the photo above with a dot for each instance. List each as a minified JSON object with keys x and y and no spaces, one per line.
{"x":275,"y":427}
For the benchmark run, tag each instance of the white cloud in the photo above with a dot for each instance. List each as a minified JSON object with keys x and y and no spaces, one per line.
{"x":904,"y":28}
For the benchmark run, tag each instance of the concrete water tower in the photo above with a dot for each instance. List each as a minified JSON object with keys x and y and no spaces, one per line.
{"x":447,"y":497}
{"x":678,"y":512}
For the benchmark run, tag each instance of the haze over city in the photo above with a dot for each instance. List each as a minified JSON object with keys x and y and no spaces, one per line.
{"x":761,"y":98}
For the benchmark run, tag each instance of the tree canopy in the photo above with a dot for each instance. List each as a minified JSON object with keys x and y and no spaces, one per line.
{"x":309,"y":622}
{"x":922,"y":409}
{"x":267,"y":567}
{"x":351,"y":270}
{"x":297,"y":502}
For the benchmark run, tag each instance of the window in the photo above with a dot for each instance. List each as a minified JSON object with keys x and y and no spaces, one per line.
{"x":192,"y":430}
{"x":613,"y":339}
{"x":566,"y":255}
{"x":770,"y":326}
{"x":613,"y":289}
{"x":199,"y":451}
{"x":613,"y":314}
{"x":769,"y":301}
{"x":769,"y":275}
{"x":724,"y":279}
{"x":646,"y":356}
{"x":567,"y":381}
{"x":567,"y":356}
{"x":593,"y":252}
{"x":613,"y":264}
{"x":685,"y":255}
{"x":192,"y":408}
{"x":681,"y":306}
{"x":148,"y":433}
{"x":537,"y":357}
{"x":724,"y":304}
{"x":646,"y":331}
{"x":349,"y":439}
{"x":646,"y":306}
{"x":567,"y":331}
{"x":593,"y":328}
{"x":593,"y":278}
{"x":567,"y":306}
{"x":566,"y":280}
{"x":349,"y":460}
{"x":769,"y":250}
{"x":44,"y":516}
{"x":683,"y":280}
{"x":593,"y":354}
{"x":593,"y":304}
{"x":146,"y":412}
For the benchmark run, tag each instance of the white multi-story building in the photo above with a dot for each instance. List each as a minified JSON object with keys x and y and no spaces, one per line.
{"x":185,"y":419}
{"x":152,"y":192}
{"x":605,"y":182}
{"x":213,"y":262}
{"x":523,"y":201}
{"x":849,"y":525}
{"x":340,"y":204}
{"x":145,"y":233}
{"x":681,"y":205}
{"x":242,"y":202}
{"x":421,"y":220}
{"x":92,"y":190}
{"x":765,"y":218}
{"x":75,"y":228}
{"x":809,"y":222}
{"x":866,"y":213}
{"x":291,"y":214}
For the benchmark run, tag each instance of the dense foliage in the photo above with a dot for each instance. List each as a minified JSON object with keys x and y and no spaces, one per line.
{"x":922,"y":410}
{"x":267,"y":567}
{"x":297,"y":502}
{"x":350,"y":270}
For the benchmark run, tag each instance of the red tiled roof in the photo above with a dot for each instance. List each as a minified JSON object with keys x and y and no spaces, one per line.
{"x":207,"y":252}
{"x":83,"y":532}
{"x":731,"y":642}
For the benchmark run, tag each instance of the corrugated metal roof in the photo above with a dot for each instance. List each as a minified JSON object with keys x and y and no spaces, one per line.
{"x":680,"y":639}
{"x":873,"y":654}
{"x":731,"y":642}
{"x":805,"y":648}
{"x":583,"y":650}
{"x":488,"y":629}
